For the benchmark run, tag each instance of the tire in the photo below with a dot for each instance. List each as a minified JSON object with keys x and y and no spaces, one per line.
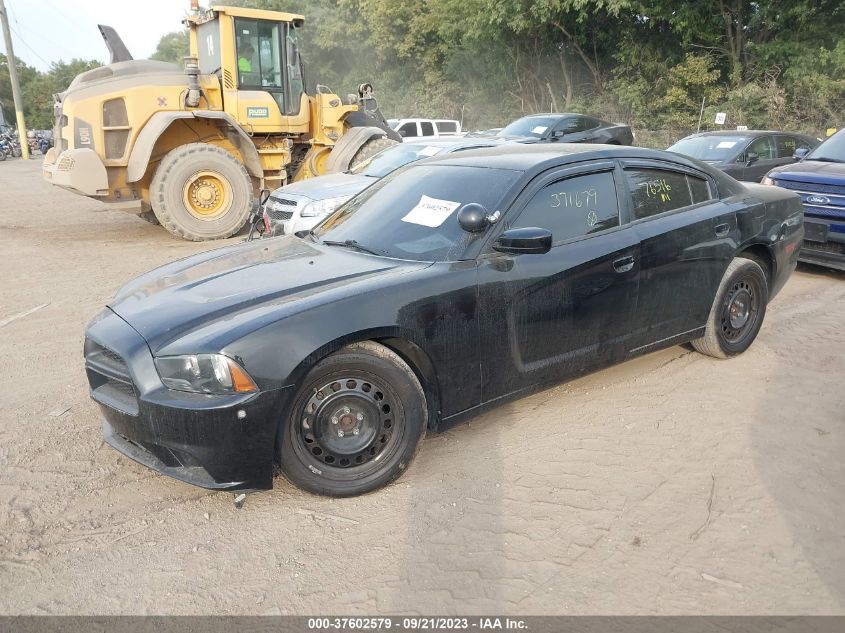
{"x":2,"y":155}
{"x":370,"y":149}
{"x":737,"y":312}
{"x":210,"y":179}
{"x":355,"y":424}
{"x":149,"y":216}
{"x":16,"y":152}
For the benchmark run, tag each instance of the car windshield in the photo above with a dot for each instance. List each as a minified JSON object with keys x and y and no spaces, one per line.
{"x":535,"y":126}
{"x":412,"y":213}
{"x":392,"y":158}
{"x":715,"y":148}
{"x":831,"y":151}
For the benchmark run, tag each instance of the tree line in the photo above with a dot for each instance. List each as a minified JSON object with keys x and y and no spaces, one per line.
{"x":649,"y":63}
{"x":37,"y":89}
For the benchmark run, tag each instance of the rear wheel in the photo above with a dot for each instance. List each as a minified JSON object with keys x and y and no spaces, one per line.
{"x":737,"y":312}
{"x":356,"y":422}
{"x":201,"y":192}
{"x":370,"y":149}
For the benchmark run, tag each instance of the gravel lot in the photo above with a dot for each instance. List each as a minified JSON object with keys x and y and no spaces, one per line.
{"x":674,"y":483}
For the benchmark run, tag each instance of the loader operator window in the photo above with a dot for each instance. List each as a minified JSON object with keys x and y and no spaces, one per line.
{"x":259,"y":57}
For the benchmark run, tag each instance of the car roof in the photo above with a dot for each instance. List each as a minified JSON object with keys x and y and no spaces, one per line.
{"x":744,"y":133}
{"x":539,"y":156}
{"x":546,"y":115}
{"x":456,"y":142}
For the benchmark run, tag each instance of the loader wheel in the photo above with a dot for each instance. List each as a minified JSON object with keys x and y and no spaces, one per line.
{"x":201,"y":192}
{"x":370,"y":149}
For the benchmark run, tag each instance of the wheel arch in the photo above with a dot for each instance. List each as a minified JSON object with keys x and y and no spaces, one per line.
{"x":400,"y":341}
{"x":763,"y":255}
{"x":348,"y":145}
{"x":160,"y":122}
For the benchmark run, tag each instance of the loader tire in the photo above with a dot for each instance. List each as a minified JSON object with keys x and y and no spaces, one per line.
{"x":201,"y":192}
{"x":370,"y":149}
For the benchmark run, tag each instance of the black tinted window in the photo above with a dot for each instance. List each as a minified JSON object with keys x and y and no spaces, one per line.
{"x":408,"y":130}
{"x":656,"y":191}
{"x":573,"y":207}
{"x":427,"y":128}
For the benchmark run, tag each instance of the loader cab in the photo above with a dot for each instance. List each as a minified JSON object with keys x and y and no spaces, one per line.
{"x":255,"y":55}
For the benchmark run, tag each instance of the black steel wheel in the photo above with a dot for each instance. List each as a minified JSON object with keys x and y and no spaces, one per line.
{"x":737,"y":312}
{"x":355,"y":422}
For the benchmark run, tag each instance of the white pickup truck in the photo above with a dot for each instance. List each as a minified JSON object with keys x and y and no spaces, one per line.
{"x":415,"y":129}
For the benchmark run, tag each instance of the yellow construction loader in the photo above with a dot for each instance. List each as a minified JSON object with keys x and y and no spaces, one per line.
{"x":190,"y":148}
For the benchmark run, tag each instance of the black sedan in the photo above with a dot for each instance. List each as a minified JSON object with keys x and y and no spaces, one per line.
{"x":449,"y":286}
{"x":566,"y":127}
{"x":746,"y":155}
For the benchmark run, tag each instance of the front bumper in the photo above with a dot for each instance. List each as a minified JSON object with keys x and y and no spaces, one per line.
{"x":824,"y":243}
{"x":218,"y":442}
{"x":78,"y":170}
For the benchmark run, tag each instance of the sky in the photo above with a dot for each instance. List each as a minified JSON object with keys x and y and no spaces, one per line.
{"x":45,"y":31}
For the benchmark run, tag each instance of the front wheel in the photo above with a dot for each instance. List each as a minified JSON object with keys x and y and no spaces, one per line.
{"x":737,"y":312}
{"x":355,"y":423}
{"x":201,"y":192}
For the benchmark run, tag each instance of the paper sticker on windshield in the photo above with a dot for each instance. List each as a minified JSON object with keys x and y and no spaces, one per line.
{"x":726,"y":144}
{"x":428,"y":150}
{"x":539,"y":129}
{"x":431,"y":212}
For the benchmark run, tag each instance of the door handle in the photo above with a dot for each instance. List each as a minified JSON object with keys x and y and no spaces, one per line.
{"x":722,"y":230}
{"x":623,"y":264}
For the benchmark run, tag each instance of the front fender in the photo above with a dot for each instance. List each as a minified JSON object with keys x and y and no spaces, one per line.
{"x":139,"y":159}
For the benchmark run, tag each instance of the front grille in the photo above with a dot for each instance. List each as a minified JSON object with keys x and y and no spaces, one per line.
{"x":285,"y":201}
{"x":837,"y":248}
{"x":810,"y":186}
{"x":109,"y":378}
{"x":279,"y":216}
{"x":826,"y":212}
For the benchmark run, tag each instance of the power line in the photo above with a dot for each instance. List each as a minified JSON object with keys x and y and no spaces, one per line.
{"x":32,"y":50}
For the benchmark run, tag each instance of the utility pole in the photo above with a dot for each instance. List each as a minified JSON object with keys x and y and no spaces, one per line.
{"x":13,"y":75}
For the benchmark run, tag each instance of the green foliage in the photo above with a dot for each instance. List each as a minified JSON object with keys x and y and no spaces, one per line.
{"x":172,"y":47}
{"x":779,"y":63}
{"x":38,"y":88}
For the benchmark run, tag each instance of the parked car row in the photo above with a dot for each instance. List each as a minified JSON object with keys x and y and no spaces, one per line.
{"x":447,"y":286}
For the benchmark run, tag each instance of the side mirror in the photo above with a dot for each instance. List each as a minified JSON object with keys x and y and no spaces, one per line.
{"x":800,"y":153}
{"x":473,"y":217}
{"x":558,"y":134}
{"x":751,"y":158}
{"x":530,"y":240}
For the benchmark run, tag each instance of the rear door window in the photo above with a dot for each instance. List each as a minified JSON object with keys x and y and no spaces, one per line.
{"x":655,"y":191}
{"x":786,"y":146}
{"x":427,"y":128}
{"x":447,"y":127}
{"x":573,"y":207}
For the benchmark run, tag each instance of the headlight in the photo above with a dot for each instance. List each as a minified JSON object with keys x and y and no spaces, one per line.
{"x":319,"y":208}
{"x":767,"y":181}
{"x":204,"y":373}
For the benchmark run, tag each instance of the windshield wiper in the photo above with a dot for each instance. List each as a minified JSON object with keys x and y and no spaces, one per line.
{"x":352,"y":244}
{"x":826,"y":159}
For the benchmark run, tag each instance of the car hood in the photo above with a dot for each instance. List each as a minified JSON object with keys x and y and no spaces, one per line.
{"x":323,"y":187}
{"x":814,"y":171}
{"x":238,"y":285}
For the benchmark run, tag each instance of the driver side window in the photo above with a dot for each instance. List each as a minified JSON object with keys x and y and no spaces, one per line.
{"x":573,"y":207}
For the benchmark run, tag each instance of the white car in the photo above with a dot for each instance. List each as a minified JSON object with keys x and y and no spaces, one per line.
{"x":302,"y":205}
{"x":415,"y":129}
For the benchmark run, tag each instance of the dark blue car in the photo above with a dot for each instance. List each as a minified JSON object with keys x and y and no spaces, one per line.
{"x":820,"y":181}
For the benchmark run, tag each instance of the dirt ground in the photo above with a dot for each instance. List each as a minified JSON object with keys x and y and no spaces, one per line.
{"x":671,"y":484}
